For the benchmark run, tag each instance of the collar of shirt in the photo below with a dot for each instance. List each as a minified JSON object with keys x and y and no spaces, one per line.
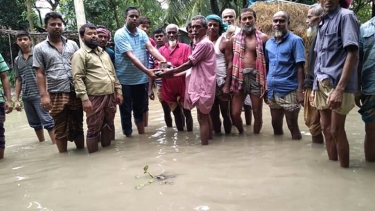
{"x":332,"y":13}
{"x":284,"y":37}
{"x":198,"y":41}
{"x":129,"y":32}
{"x":20,"y":54}
{"x":90,"y":50}
{"x":329,"y":15}
{"x":64,"y":40}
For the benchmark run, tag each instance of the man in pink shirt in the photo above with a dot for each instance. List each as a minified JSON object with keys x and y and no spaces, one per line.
{"x":201,"y":78}
{"x":173,"y":89}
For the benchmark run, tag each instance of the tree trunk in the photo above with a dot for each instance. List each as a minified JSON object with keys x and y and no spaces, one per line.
{"x":215,"y":7}
{"x":30,"y":15}
{"x":53,"y":4}
{"x":115,"y":13}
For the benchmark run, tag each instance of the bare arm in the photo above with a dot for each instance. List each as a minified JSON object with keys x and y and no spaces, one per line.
{"x":300,"y":76}
{"x":6,"y":87}
{"x":18,"y":89}
{"x":359,"y":71}
{"x":349,"y":65}
{"x":41,"y":82}
{"x":359,"y":75}
{"x":172,"y":72}
{"x":183,"y":67}
{"x":154,"y":52}
{"x":228,"y":54}
{"x":301,"y":79}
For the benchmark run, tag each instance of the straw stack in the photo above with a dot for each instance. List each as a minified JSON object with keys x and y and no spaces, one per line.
{"x":297,"y":12}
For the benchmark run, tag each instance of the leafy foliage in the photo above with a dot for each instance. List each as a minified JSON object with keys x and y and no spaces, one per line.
{"x":13,"y":18}
{"x":110,"y":13}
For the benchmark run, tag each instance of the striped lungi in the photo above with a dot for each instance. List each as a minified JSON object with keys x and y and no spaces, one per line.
{"x":67,"y":114}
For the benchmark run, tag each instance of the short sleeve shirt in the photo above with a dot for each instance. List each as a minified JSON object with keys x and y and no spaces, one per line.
{"x":337,"y":30}
{"x":57,"y":66}
{"x":127,"y":72}
{"x":3,"y":68}
{"x":23,"y":68}
{"x":282,"y":77}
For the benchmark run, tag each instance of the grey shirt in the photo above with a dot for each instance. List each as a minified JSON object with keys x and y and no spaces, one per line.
{"x":24,"y":69}
{"x":337,"y":30}
{"x":57,"y":66}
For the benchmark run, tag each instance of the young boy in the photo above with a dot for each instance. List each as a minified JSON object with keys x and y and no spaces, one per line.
{"x":24,"y":73}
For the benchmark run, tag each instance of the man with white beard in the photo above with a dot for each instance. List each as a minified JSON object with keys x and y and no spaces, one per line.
{"x":173,"y":89}
{"x":311,"y":114}
{"x":285,"y":77}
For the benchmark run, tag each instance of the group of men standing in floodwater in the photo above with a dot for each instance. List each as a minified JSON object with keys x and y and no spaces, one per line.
{"x":222,"y":65}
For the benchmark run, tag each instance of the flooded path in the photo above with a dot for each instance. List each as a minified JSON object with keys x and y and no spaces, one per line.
{"x":247,"y":172}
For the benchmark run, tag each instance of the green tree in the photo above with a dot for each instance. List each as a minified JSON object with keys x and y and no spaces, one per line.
{"x":14,"y":18}
{"x":180,"y":12}
{"x":110,"y":13}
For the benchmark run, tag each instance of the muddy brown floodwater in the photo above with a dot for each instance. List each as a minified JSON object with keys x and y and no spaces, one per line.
{"x":246,"y":172}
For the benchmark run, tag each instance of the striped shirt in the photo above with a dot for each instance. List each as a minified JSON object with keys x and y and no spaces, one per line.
{"x":127,"y":72}
{"x":3,"y":68}
{"x":57,"y":66}
{"x":24,"y":69}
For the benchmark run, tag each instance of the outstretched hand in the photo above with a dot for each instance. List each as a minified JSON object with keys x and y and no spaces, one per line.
{"x":166,"y":73}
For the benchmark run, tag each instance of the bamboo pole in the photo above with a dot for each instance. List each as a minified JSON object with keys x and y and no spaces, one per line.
{"x":80,"y":14}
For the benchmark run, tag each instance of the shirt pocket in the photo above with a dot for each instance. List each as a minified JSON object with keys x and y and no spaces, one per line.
{"x":331,"y":41}
{"x":285,"y":56}
{"x":368,"y":40}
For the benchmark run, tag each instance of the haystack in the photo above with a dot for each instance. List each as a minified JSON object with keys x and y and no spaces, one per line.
{"x":266,"y":10}
{"x":297,"y":12}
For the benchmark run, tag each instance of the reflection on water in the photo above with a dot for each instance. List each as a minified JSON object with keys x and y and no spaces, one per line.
{"x":235,"y":172}
{"x":202,"y":208}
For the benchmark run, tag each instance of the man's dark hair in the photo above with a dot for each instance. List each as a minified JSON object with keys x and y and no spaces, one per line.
{"x":144,"y":20}
{"x":23,"y":33}
{"x":249,"y":10}
{"x":188,"y":26}
{"x":287,"y":16}
{"x":130,"y":8}
{"x":52,"y":15}
{"x":84,"y":26}
{"x":201,"y":18}
{"x":158,"y":31}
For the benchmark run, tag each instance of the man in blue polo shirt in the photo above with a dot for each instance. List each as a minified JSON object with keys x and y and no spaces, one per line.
{"x":131,"y":62}
{"x":286,"y":57}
